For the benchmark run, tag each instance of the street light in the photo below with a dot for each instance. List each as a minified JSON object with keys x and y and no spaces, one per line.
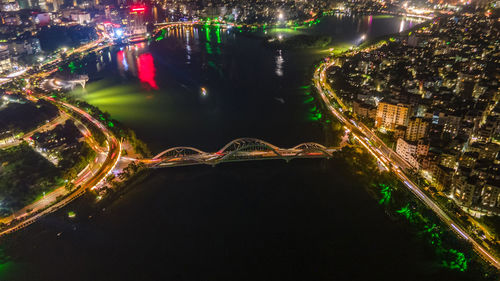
{"x":281,"y":16}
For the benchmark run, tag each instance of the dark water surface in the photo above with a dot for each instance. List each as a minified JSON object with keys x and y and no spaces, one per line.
{"x":252,"y":91}
{"x":303,"y":220}
{"x":306,"y":220}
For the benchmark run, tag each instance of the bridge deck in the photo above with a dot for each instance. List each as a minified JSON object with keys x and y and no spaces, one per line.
{"x":244,"y":149}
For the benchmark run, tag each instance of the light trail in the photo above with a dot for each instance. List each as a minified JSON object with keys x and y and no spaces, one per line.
{"x":87,"y":181}
{"x":112,"y":166}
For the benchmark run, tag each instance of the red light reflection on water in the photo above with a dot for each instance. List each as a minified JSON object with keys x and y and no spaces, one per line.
{"x":146,"y":70}
{"x":122,"y":61}
{"x":119,"y":56}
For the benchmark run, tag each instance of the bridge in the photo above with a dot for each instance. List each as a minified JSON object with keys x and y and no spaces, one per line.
{"x":80,"y":79}
{"x":242,"y":149}
{"x":67,"y":84}
{"x":159,"y":27}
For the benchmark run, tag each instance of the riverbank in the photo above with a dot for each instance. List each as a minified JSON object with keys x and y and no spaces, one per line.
{"x":456,"y":257}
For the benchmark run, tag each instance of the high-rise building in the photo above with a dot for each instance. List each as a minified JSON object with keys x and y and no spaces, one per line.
{"x":80,"y":17}
{"x":490,"y":196}
{"x":411,"y":150}
{"x":55,"y":5}
{"x":25,"y":4}
{"x":417,"y":129}
{"x":465,"y":190}
{"x":5,"y":59}
{"x":390,"y":115}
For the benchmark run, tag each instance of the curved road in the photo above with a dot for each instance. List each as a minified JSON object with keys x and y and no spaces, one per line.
{"x":86,"y":179}
{"x":89,"y":179}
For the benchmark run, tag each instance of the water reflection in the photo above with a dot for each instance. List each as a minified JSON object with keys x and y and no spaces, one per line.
{"x":279,"y":64}
{"x":188,"y":47}
{"x":134,"y":60}
{"x":122,"y":62}
{"x":370,"y":19}
{"x":405,"y":24}
{"x":146,"y":70}
{"x":370,"y":25}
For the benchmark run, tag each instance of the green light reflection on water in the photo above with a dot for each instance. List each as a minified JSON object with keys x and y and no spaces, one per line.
{"x":5,"y":269}
{"x":124,"y":102}
{"x":208,"y":48}
{"x":207,"y":33}
{"x":217,"y":32}
{"x":308,"y":100}
{"x":7,"y":266}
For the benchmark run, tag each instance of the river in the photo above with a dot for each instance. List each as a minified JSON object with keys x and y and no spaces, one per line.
{"x":303,"y":220}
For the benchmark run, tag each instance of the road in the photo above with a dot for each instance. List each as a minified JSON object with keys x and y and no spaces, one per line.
{"x":216,"y":157}
{"x":388,"y":158}
{"x":90,"y":177}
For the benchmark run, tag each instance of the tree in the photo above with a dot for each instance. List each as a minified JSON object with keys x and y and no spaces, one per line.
{"x":69,"y":186}
{"x":110,"y":178}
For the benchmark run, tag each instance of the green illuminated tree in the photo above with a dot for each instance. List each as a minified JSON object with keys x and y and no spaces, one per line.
{"x":386,"y":192}
{"x":455,"y":260}
{"x":407,"y":212}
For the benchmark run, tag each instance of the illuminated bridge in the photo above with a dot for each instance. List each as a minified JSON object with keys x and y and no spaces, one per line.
{"x":67,"y":84}
{"x":161,"y":27}
{"x":243,"y":149}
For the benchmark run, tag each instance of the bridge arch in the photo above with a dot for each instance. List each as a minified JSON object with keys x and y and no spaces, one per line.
{"x":246,"y":144}
{"x":180,"y":151}
{"x":311,"y":147}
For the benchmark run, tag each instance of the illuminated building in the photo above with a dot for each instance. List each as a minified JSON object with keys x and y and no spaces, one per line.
{"x":390,"y":115}
{"x":490,"y":196}
{"x":465,"y":190}
{"x":136,"y":27}
{"x":5,"y":60}
{"x":417,"y":129}
{"x":81,"y":17}
{"x":55,"y":4}
{"x":410,"y":150}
